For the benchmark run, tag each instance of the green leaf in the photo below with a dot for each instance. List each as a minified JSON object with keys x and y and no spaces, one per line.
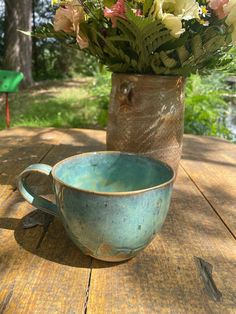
{"x":147,"y":6}
{"x":24,"y":32}
{"x":108,"y":3}
{"x":118,"y":67}
{"x":139,"y":21}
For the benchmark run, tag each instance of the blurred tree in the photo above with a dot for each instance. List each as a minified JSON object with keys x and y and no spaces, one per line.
{"x":50,"y":58}
{"x":2,"y":23}
{"x":18,"y":47}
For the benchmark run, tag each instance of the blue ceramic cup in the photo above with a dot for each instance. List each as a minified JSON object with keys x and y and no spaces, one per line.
{"x":112,"y":204}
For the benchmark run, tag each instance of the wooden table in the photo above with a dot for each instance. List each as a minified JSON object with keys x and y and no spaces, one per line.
{"x":41,"y":271}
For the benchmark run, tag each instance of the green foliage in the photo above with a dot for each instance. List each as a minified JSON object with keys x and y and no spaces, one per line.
{"x":55,"y":61}
{"x":230,"y":70}
{"x":206,"y":109}
{"x":54,"y":54}
{"x":142,"y":44}
{"x":100,"y":91}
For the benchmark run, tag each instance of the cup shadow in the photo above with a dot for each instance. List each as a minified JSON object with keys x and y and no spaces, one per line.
{"x":48,"y":239}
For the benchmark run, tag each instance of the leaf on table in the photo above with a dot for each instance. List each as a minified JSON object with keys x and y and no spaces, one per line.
{"x":205,"y":270}
{"x":37,"y":218}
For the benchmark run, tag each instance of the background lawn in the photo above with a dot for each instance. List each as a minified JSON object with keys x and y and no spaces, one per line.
{"x":58,"y":103}
{"x":70,"y":90}
{"x":82,"y":102}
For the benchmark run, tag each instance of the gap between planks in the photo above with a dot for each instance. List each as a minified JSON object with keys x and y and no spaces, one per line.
{"x":38,"y":245}
{"x":46,"y":228}
{"x":87,"y":295}
{"x":88,"y":288}
{"x":208,"y":201}
{"x":7,"y":299}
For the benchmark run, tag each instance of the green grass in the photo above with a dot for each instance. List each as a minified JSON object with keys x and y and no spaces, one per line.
{"x":83,"y":103}
{"x":71,"y":103}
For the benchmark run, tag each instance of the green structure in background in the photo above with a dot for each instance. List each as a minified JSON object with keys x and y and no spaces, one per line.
{"x":9,"y":83}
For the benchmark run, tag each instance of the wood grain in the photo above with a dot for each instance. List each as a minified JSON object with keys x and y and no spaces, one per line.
{"x":50,"y":279}
{"x":41,"y":271}
{"x":211,"y":164}
{"x":19,"y":148}
{"x":40,"y":274}
{"x":164,"y":278}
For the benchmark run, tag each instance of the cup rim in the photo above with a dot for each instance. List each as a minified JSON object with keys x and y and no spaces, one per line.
{"x":113,"y":193}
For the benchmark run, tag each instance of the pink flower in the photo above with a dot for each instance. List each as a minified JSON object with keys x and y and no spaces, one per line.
{"x":218,"y":7}
{"x":137,"y":12}
{"x":68,"y":19}
{"x":117,"y":10}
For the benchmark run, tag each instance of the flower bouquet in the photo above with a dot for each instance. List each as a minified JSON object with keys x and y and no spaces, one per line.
{"x":150,"y":46}
{"x":164,"y":37}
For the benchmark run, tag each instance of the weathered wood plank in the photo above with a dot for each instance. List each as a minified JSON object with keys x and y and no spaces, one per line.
{"x":72,"y":142}
{"x":20,"y":147}
{"x":164,"y":278}
{"x":83,"y":137}
{"x":50,"y":279}
{"x":45,"y":273}
{"x":211,"y":164}
{"x":42,"y":275}
{"x":15,"y":154}
{"x":13,"y":259}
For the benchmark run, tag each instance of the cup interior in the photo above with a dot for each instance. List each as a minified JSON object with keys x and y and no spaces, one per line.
{"x":112,"y":172}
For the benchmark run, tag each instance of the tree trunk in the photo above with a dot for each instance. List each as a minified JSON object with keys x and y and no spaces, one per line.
{"x":18,"y":47}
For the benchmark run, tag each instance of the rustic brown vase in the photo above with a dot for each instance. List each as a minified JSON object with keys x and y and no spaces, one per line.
{"x":146,"y":116}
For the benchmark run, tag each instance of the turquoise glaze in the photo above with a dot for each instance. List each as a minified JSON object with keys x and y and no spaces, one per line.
{"x":112,"y":204}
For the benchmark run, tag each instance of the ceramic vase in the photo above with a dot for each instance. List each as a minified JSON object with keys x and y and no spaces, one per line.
{"x":146,"y":116}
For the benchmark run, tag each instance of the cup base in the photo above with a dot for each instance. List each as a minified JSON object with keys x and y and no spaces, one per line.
{"x":113,"y":259}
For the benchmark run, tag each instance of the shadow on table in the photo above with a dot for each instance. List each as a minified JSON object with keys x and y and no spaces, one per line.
{"x":209,"y":150}
{"x":50,"y":241}
{"x":24,"y":146}
{"x":52,"y":244}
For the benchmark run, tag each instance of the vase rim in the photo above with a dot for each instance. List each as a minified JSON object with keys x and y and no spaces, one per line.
{"x":150,"y":75}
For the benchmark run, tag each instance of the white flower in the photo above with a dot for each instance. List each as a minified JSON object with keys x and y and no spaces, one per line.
{"x":230,"y":11}
{"x":173,"y":23}
{"x":187,"y":9}
{"x":204,"y":22}
{"x":204,"y":11}
{"x":173,"y":12}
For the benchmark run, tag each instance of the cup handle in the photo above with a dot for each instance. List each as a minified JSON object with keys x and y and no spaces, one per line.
{"x":37,"y":201}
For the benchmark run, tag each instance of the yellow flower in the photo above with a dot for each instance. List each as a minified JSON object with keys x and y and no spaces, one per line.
{"x":230,"y":11}
{"x":172,"y":12}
